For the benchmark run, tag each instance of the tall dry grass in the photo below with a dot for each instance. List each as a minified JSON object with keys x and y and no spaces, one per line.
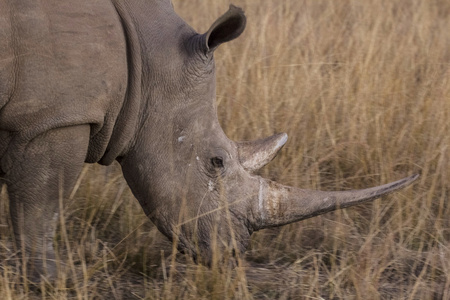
{"x":363,"y":90}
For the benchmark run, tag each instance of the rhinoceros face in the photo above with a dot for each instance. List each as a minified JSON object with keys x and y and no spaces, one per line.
{"x":194,"y":183}
{"x":182,"y":167}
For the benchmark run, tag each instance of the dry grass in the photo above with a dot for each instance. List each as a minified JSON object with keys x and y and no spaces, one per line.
{"x":363,"y":90}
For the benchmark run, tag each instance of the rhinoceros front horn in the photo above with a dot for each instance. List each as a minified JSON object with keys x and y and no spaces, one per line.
{"x":279,"y":205}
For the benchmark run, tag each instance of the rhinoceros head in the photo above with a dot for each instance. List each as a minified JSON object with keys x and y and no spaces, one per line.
{"x":194,"y":183}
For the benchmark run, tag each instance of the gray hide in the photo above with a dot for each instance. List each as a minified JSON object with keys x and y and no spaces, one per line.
{"x":98,"y":81}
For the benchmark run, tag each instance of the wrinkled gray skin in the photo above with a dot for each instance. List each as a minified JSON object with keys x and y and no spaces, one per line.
{"x":98,"y":81}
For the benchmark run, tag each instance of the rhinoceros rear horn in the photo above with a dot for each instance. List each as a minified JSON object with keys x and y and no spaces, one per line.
{"x":256,"y":154}
{"x":226,"y":28}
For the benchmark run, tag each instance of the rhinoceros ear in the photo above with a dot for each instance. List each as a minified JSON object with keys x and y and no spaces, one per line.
{"x":254,"y":155}
{"x":226,"y":28}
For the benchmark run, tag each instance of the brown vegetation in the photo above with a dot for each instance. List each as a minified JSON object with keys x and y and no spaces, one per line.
{"x":363,"y":90}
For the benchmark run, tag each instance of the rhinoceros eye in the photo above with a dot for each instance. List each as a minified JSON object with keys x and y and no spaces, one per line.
{"x":217,"y":162}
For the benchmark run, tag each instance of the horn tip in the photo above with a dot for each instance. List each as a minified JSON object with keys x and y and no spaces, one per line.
{"x":282,"y":139}
{"x":406,"y":181}
{"x":414,"y":177}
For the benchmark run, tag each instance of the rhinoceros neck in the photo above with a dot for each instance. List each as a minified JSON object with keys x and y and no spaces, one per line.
{"x":151,"y":28}
{"x":128,"y":120}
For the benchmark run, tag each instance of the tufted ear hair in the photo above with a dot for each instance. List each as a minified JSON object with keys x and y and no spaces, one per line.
{"x":226,"y":28}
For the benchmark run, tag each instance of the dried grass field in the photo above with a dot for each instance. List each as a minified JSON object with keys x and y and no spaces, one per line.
{"x":362,"y":88}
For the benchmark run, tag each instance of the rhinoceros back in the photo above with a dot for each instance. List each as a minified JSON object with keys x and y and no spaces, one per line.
{"x":62,"y":63}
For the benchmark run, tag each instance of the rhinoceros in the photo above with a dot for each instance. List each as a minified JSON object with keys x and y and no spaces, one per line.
{"x":85,"y":81}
